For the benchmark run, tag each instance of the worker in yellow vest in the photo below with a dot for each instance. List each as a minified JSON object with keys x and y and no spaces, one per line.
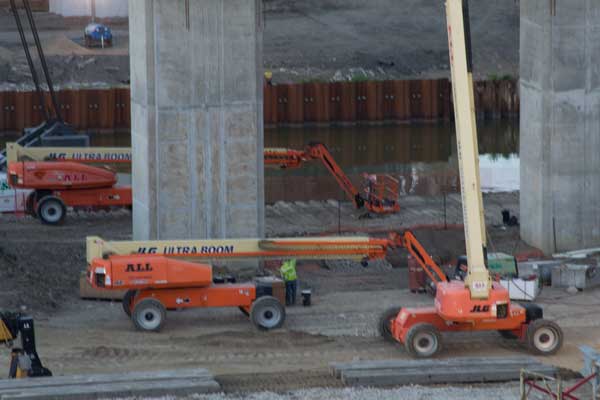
{"x":288,"y":273}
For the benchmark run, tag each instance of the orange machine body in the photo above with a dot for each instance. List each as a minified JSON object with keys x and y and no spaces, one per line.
{"x":454,"y":309}
{"x":59,"y":175}
{"x":175,"y":283}
{"x":73,"y":183}
{"x":134,"y":272}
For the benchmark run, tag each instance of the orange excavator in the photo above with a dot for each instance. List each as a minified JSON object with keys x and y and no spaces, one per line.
{"x":380,"y":194}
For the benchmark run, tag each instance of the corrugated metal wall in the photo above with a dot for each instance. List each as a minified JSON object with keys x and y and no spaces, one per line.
{"x":284,"y":104}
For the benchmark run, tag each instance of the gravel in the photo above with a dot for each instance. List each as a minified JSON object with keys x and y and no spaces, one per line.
{"x":491,"y":392}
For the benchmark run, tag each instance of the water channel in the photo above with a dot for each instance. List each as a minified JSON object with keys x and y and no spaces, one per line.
{"x":422,"y":156}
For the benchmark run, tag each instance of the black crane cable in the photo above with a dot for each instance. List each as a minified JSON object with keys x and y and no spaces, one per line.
{"x":38,"y":45}
{"x":34,"y":75}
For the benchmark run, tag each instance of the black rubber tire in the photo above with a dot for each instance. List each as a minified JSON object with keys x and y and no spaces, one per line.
{"x":385,"y":320}
{"x":51,"y":210}
{"x":267,"y":313}
{"x":127,"y":301}
{"x":243,"y":310}
{"x":149,"y":315}
{"x":539,"y":332}
{"x":415,"y":345}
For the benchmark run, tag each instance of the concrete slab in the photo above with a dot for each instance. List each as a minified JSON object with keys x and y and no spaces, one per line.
{"x":337,"y":368}
{"x":423,"y":376}
{"x":168,"y":382}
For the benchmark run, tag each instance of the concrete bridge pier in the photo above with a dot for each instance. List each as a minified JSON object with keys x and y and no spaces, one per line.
{"x":560,"y":124}
{"x":197,"y":118}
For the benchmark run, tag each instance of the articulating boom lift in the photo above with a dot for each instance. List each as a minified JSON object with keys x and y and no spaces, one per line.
{"x":61,"y":178}
{"x":477,"y":304}
{"x":380,"y":194}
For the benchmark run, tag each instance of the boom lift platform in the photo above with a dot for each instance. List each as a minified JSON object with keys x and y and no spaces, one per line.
{"x":158,"y":278}
{"x":24,"y":360}
{"x":477,"y":304}
{"x":60,"y":184}
{"x":380,"y":194}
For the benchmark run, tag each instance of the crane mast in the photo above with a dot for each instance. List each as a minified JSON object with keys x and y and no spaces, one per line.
{"x":459,"y":44}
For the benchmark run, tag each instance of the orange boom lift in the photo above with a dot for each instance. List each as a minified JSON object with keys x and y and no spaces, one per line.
{"x":477,"y":304}
{"x":380,"y":194}
{"x":157,"y":283}
{"x":58,"y":185}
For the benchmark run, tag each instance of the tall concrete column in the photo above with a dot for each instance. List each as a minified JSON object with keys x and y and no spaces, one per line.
{"x":197,"y":120}
{"x":560,"y":123}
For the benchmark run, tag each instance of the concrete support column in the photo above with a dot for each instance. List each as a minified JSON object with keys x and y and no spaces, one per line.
{"x":560,"y":124}
{"x":197,"y":118}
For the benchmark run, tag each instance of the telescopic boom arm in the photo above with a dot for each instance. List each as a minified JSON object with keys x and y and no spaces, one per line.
{"x":459,"y":43}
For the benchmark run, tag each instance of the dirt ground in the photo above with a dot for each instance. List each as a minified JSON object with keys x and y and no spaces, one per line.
{"x":40,"y":268}
{"x":303,"y":41}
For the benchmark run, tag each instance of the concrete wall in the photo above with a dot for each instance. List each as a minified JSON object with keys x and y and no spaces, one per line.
{"x":560,"y":124}
{"x":76,"y":8}
{"x":197,"y":118}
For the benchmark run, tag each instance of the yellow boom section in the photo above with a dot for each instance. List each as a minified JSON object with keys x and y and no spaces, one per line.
{"x":354,"y":248}
{"x":16,"y":153}
{"x":478,"y":279}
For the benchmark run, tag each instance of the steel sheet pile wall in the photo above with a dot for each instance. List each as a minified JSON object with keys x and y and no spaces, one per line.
{"x":376,"y":101}
{"x":94,"y":109}
{"x":284,"y":104}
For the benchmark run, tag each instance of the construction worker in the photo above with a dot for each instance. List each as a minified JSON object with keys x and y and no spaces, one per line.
{"x":288,"y":273}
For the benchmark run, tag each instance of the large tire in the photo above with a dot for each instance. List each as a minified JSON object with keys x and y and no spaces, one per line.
{"x":267,"y":313}
{"x":423,"y":341}
{"x":149,"y":315}
{"x":386,"y":319}
{"x":128,"y":301}
{"x":544,"y":337}
{"x":51,"y":210}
